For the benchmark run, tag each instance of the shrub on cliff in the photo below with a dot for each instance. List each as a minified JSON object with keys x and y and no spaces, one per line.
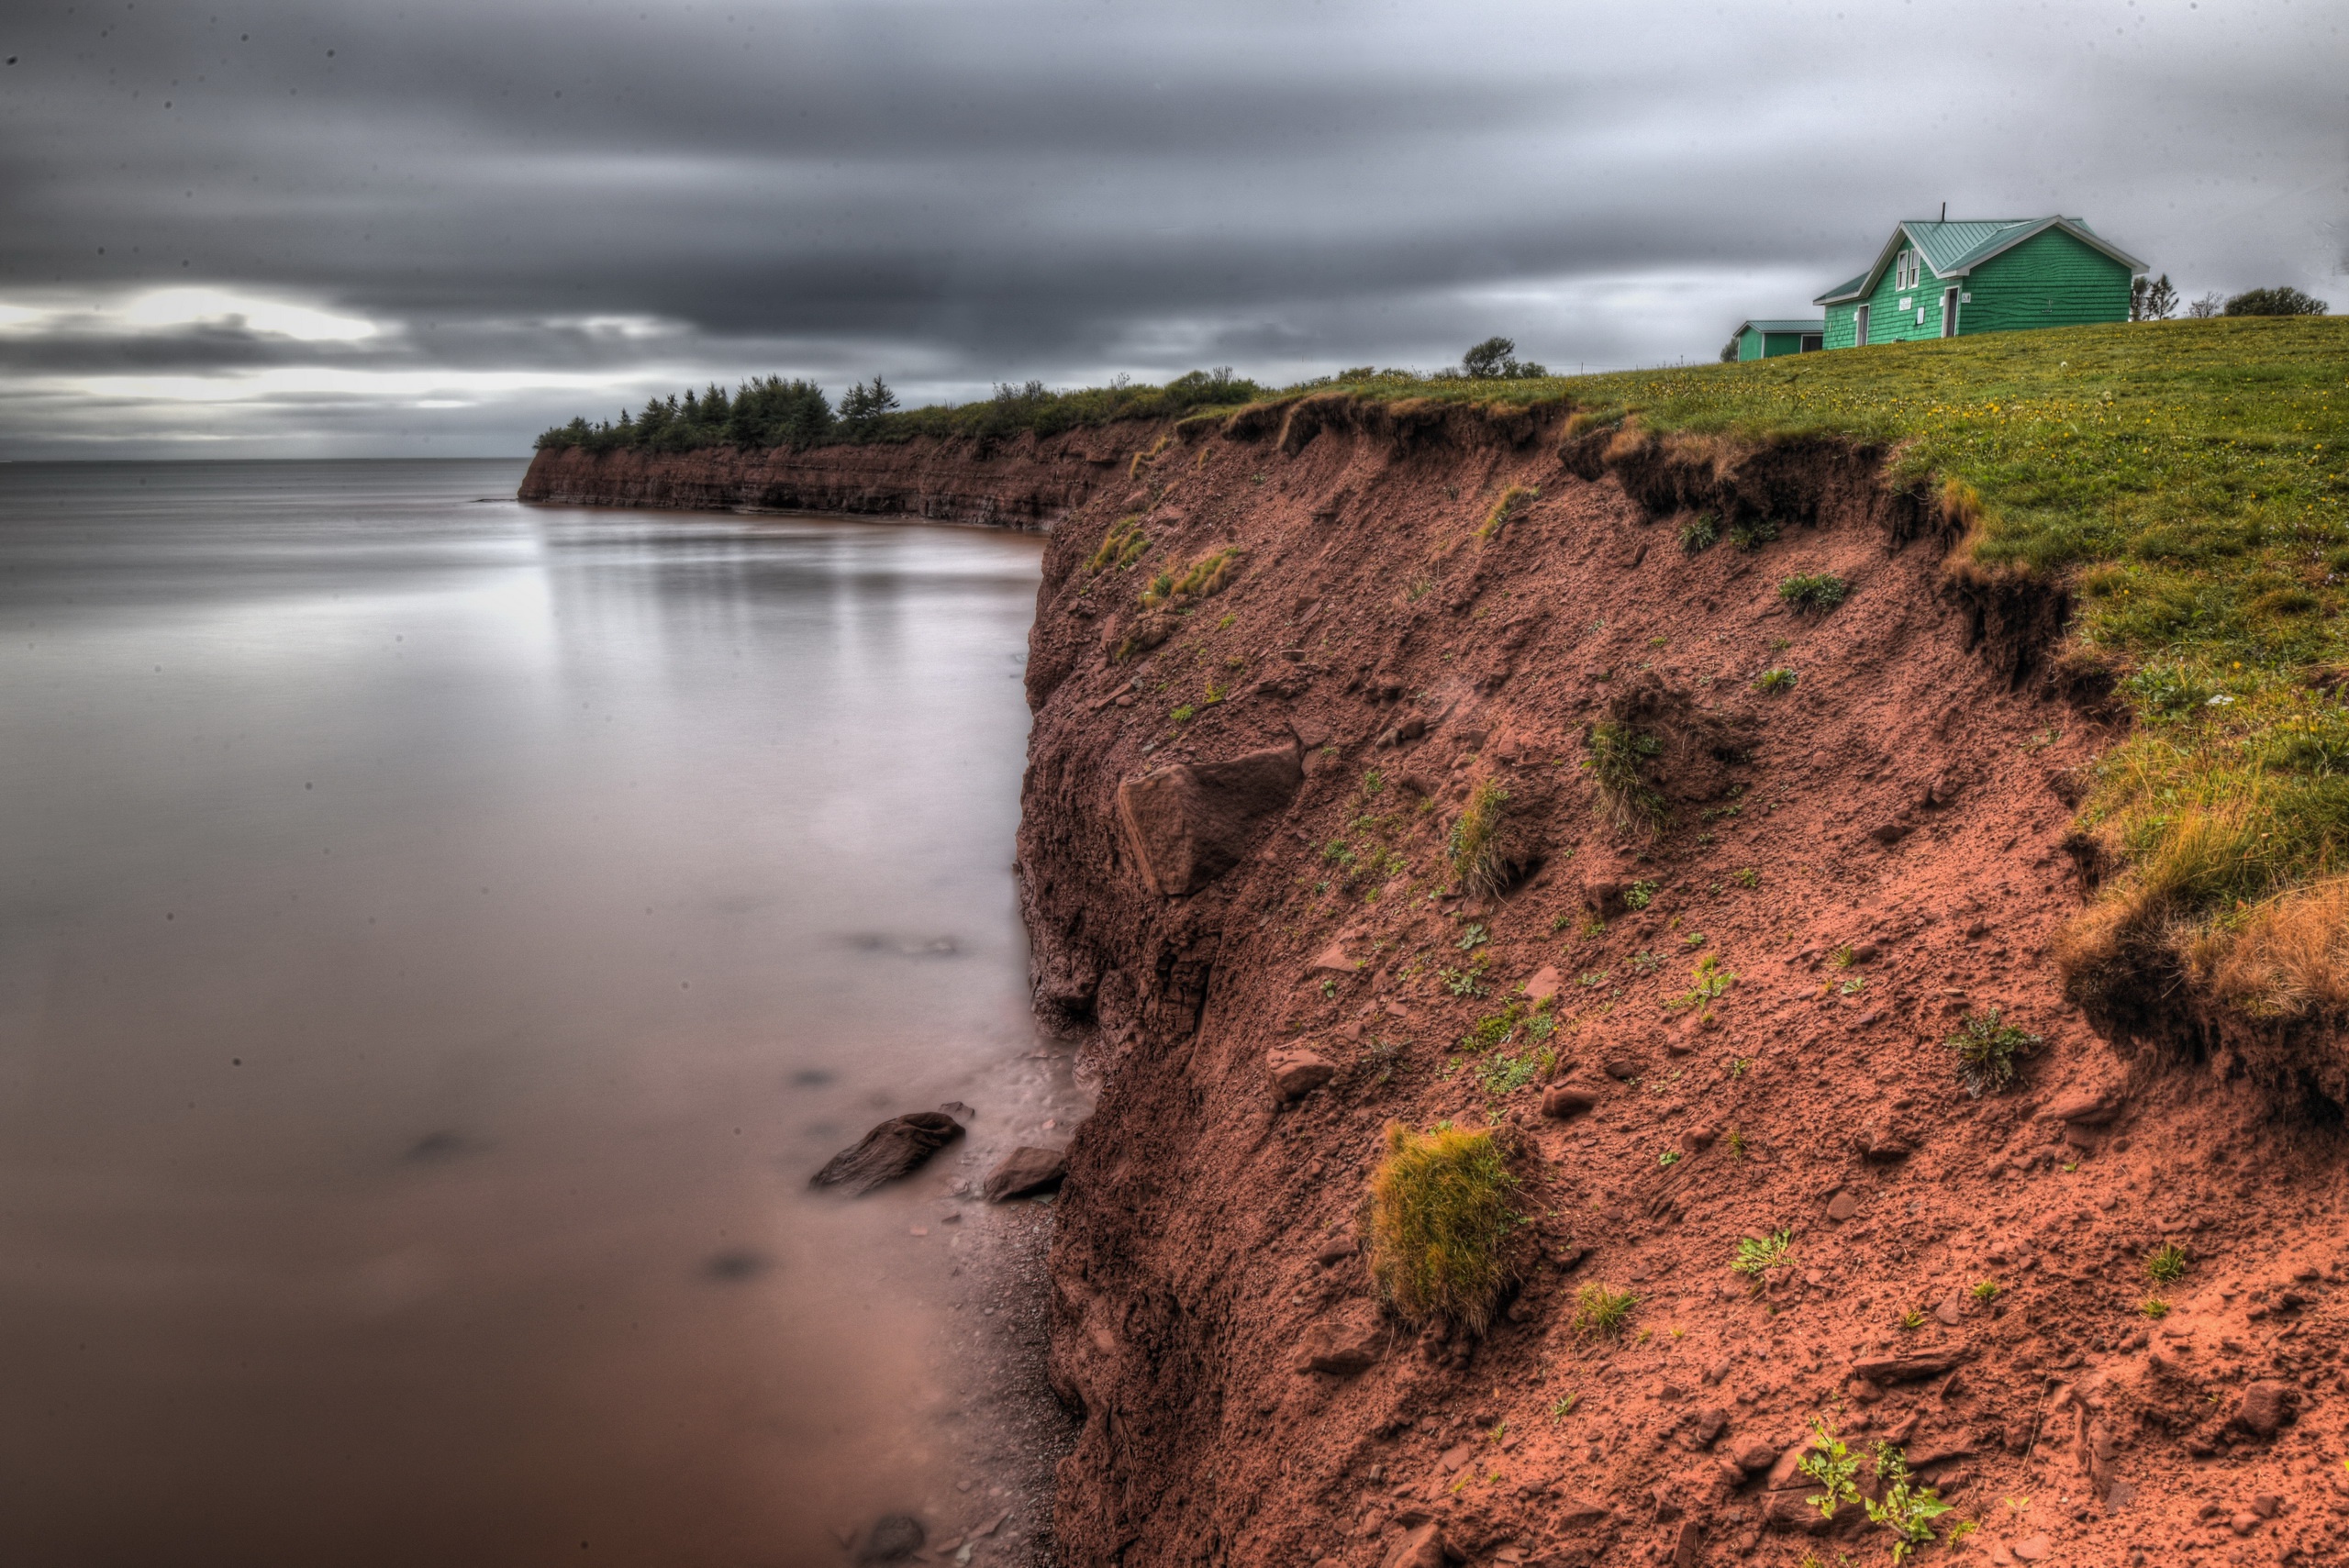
{"x":1442,"y":1208}
{"x":2275,"y":302}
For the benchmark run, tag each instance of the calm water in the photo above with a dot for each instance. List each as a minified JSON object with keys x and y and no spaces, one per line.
{"x":438,"y":938}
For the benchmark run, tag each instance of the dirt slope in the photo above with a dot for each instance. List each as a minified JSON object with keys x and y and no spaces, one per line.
{"x":1906,"y":800}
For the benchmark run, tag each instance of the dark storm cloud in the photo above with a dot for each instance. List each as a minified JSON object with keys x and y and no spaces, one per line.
{"x":531,"y":211}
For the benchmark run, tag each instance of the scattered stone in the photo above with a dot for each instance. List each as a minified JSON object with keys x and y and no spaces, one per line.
{"x":1190,"y":823}
{"x":2087,"y":1107}
{"x":1786,"y":1469}
{"x":1697,"y":1139}
{"x":2266,"y":1406}
{"x":1842,"y":1207}
{"x":1905,"y":1369}
{"x":958,"y":1109}
{"x":1344,"y":1346}
{"x":1331,"y":960}
{"x":2244,"y":1523}
{"x":1561,"y":1100}
{"x":1949,"y":1312}
{"x":1337,"y":1249}
{"x":1882,"y":1144}
{"x":1707,"y":1426}
{"x":1581,"y":1510}
{"x":2268,"y":1505}
{"x":1297,"y":1074}
{"x":1452,"y":1458}
{"x":1025,"y":1170}
{"x":893,"y":1149}
{"x":1543,"y":983}
{"x":1756,"y":1457}
{"x":1685,"y":1545}
{"x":1422,"y":1546}
{"x":1889,"y":833}
{"x":1717,"y":1371}
{"x":892,"y":1539}
{"x":2034,"y":1548}
{"x":1622,"y":1069}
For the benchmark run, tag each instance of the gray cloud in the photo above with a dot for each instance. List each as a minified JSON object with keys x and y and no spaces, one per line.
{"x":543,"y":210}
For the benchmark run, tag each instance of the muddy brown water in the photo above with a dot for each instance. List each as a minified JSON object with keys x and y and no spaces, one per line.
{"x":438,"y":938}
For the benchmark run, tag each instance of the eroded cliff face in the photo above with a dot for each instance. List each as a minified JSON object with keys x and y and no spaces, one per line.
{"x":1271,"y":666}
{"x":1026,"y":482}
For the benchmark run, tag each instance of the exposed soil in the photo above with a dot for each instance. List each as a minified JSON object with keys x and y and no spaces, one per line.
{"x":1908,"y":800}
{"x":1872,"y":855}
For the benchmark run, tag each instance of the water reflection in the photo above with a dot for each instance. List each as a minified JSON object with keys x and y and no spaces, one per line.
{"x":437,"y":940}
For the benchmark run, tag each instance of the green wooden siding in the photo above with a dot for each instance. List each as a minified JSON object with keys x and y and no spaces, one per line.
{"x":1841,"y":332}
{"x":1888,"y":322}
{"x":2049,"y":280}
{"x":1754,"y":345}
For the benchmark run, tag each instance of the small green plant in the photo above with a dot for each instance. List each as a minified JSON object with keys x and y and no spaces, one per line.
{"x":2155,"y":1307}
{"x":1832,"y":1464}
{"x":1700,"y":535}
{"x":1601,"y":1313}
{"x":1592,"y":926}
{"x":1616,"y":763}
{"x":1469,"y":981}
{"x":1736,"y":1140}
{"x":1813,"y":593}
{"x":1756,"y":1256}
{"x":1908,"y":1510}
{"x":1562,"y":1407}
{"x":1987,"y":1052}
{"x":1329,"y":989}
{"x":1639,"y":896}
{"x":1474,"y":847}
{"x":1751,"y":536}
{"x":1708,"y":982}
{"x":1844,"y":956}
{"x":1669,"y":1157}
{"x":1442,"y":1208}
{"x":1747,"y":876}
{"x":1912,"y":1319}
{"x":1184,"y":715}
{"x":1853,"y":986}
{"x":1986,"y":1291}
{"x":1738,"y":1065}
{"x":2166,"y":1264}
{"x":1644,"y":961}
{"x":1775,"y":680}
{"x":1372,"y":782}
{"x":1120,"y":547}
{"x":1475,"y":937}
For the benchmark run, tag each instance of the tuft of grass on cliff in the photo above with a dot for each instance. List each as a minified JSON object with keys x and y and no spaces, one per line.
{"x":1442,"y":1210}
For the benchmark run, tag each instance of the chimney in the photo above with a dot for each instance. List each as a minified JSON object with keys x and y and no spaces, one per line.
{"x":1945,"y":212}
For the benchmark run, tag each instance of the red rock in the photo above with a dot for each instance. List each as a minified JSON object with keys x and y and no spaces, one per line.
{"x":1685,"y":1544}
{"x":1331,"y":960}
{"x":1561,"y":1100}
{"x":1342,"y":1347}
{"x":1025,"y":1170}
{"x":2268,"y":1505}
{"x":2088,"y":1107}
{"x":1337,"y":1249}
{"x":1543,"y":982}
{"x":1906,"y":1368}
{"x":2244,"y":1523}
{"x":1421,"y":1546}
{"x":1842,"y":1207}
{"x":2034,"y":1548}
{"x":1581,"y":1510}
{"x":890,"y":1151}
{"x":2266,"y":1406}
{"x":1756,"y":1457}
{"x":1786,"y":1469}
{"x":1190,"y":823}
{"x":1297,"y":1074}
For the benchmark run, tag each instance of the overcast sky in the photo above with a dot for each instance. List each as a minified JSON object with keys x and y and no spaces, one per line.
{"x":435,"y":227}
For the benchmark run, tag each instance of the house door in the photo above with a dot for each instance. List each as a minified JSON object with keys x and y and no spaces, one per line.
{"x":1860,"y":326}
{"x":1949,"y":313}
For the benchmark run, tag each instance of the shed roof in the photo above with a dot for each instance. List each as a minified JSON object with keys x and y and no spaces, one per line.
{"x":1816,"y":326}
{"x":1955,"y":246}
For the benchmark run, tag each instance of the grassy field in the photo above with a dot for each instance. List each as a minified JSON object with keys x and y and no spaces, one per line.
{"x":2191,"y":480}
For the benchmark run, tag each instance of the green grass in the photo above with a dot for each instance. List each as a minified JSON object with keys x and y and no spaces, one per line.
{"x":1601,"y":1313}
{"x":1990,"y":1051}
{"x":2166,"y":1264}
{"x":1443,"y":1208}
{"x":1474,"y":846}
{"x":1756,"y":1257}
{"x":1511,"y":498}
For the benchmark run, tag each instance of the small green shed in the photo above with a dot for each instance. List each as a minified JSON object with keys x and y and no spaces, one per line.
{"x":1768,"y":339}
{"x":1951,"y":277}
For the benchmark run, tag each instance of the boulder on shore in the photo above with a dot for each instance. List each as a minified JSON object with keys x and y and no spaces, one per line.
{"x":895,"y":1148}
{"x":1025,"y":1170}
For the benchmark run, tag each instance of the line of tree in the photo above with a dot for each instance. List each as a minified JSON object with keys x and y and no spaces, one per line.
{"x":2154,"y":300}
{"x":768,"y":411}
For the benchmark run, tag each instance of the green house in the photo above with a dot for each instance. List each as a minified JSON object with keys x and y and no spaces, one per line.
{"x":1768,"y":339}
{"x":1947,"y":278}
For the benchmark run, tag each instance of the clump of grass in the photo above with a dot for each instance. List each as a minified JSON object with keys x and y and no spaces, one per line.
{"x":1775,"y":680}
{"x":1756,"y":1256}
{"x":1478,"y":864}
{"x":1639,"y":896}
{"x":1618,"y":758}
{"x":1511,"y":499}
{"x":2166,"y":1264}
{"x":1814,"y":592}
{"x":1120,"y":547}
{"x":1601,"y":1313}
{"x":1203,"y":578}
{"x":1990,"y":1050}
{"x":1751,"y":536}
{"x":1699,"y":535}
{"x":1986,"y":1291}
{"x":2155,"y":1307}
{"x":1747,"y":876}
{"x":1443,"y":1210}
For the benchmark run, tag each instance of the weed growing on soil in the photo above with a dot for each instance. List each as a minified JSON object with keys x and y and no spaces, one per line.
{"x":1813,"y":593}
{"x":1531,"y":1019}
{"x":1617,"y":755}
{"x":1747,"y":876}
{"x":1601,"y":1313}
{"x":1756,"y":1256}
{"x":1639,"y":896}
{"x":1475,"y":937}
{"x":1563,"y":1406}
{"x":1442,"y":1211}
{"x":1908,"y":1510}
{"x":1668,"y":1158}
{"x":1708,"y":982}
{"x":1912,"y":1319}
{"x":1986,"y":1291}
{"x":1699,"y":535}
{"x":1475,"y":847}
{"x":2155,"y":1307}
{"x":1776,"y":681}
{"x":1751,"y":536}
{"x":1497,"y":519}
{"x":1832,"y":1464}
{"x":1987,"y":1052}
{"x":1120,"y":547}
{"x":1203,"y":578}
{"x":2166,"y":1264}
